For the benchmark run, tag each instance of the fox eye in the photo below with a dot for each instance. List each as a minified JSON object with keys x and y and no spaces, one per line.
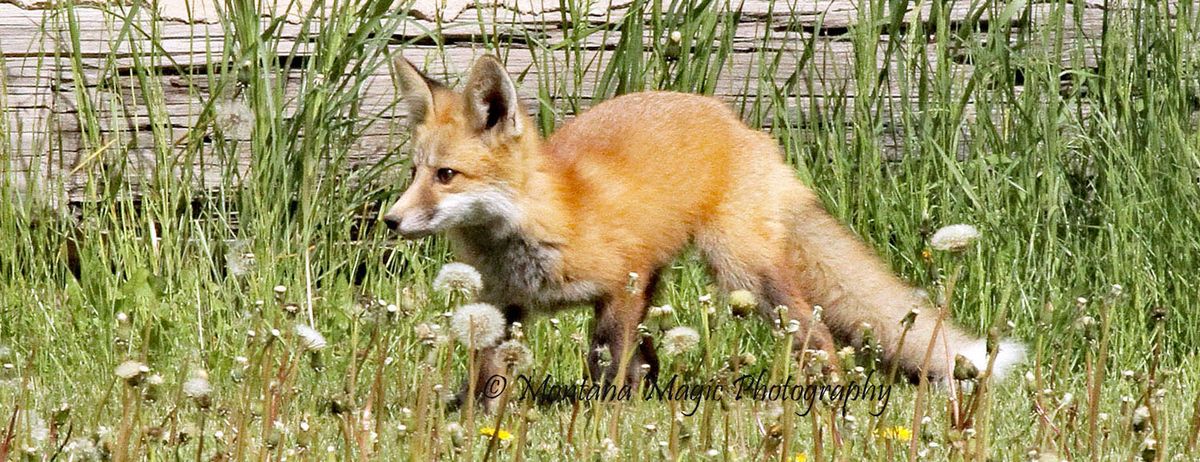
{"x":444,"y":175}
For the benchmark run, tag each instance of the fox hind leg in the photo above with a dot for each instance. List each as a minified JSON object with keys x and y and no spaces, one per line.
{"x":755,"y":257}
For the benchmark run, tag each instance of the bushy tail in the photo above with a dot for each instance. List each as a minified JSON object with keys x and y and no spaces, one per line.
{"x":854,"y":287}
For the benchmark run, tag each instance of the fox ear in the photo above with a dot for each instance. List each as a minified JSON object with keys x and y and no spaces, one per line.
{"x":491,"y":97}
{"x":415,"y":90}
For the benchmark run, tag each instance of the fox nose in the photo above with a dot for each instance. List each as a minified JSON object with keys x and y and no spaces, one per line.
{"x":392,"y":222}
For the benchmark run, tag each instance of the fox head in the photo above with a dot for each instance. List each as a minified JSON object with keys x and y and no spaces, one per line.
{"x":467,"y":149}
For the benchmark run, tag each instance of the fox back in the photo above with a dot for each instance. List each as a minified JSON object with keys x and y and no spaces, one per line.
{"x":593,"y":213}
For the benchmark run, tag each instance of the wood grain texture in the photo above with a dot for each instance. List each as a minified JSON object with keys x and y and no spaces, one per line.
{"x":52,"y":151}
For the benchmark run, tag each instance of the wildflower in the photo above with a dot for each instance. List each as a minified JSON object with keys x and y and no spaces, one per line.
{"x":660,"y":311}
{"x":801,"y":457}
{"x":954,"y":238}
{"x":1139,"y":418}
{"x":239,"y":260}
{"x":310,"y":339}
{"x":81,"y":448}
{"x":427,"y":333}
{"x":632,"y":285}
{"x":515,"y":354}
{"x":742,"y":302}
{"x":492,"y":432}
{"x":456,"y":434}
{"x":964,"y":369}
{"x":38,"y":431}
{"x":131,"y":371}
{"x":681,"y":340}
{"x":897,"y":433}
{"x":197,"y":385}
{"x":478,"y":325}
{"x":458,"y":278}
{"x":234,"y":118}
{"x":676,"y":36}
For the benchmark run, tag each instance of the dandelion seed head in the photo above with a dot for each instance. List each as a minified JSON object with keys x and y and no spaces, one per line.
{"x":515,"y":354}
{"x":131,"y":370}
{"x":954,"y":238}
{"x":478,"y":325}
{"x":1140,"y":415}
{"x":660,"y":311}
{"x":81,"y":448}
{"x":310,"y":339}
{"x":197,"y":385}
{"x":680,"y":340}
{"x":234,"y":118}
{"x":458,"y":278}
{"x":742,"y":302}
{"x":38,"y":431}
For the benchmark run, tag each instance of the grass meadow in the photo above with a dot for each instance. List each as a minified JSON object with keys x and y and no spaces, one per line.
{"x":162,"y":325}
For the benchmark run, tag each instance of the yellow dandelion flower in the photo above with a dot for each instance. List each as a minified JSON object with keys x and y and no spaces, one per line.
{"x":801,"y":457}
{"x":894,"y":433}
{"x":490,"y":432}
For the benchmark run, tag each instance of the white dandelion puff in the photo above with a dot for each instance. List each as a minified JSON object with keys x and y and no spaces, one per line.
{"x":660,"y":311}
{"x":234,"y":118}
{"x":610,"y":449}
{"x":681,"y":340}
{"x":131,"y":370}
{"x":742,"y":298}
{"x":38,"y":431}
{"x":515,"y":354}
{"x":954,"y":238}
{"x":478,"y":325}
{"x":197,"y":385}
{"x":458,"y":277}
{"x":81,"y":448}
{"x":310,"y":339}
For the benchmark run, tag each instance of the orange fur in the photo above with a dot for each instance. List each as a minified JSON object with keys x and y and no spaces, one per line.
{"x":624,"y":188}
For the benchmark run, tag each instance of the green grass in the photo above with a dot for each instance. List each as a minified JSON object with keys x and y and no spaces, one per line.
{"x":1080,"y":177}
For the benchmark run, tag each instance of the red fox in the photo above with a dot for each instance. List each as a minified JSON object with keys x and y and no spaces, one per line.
{"x":622,"y":189}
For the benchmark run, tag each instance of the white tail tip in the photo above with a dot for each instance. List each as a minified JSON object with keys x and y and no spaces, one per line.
{"x":1011,"y":354}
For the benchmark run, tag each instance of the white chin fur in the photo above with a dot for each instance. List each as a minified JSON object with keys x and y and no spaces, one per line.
{"x":1011,"y":354}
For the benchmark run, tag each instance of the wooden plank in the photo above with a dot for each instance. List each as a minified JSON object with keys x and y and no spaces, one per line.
{"x":44,"y":141}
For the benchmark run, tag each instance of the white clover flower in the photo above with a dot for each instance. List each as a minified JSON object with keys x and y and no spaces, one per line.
{"x":458,"y":277}
{"x":681,"y":340}
{"x":197,"y":385}
{"x":310,"y":339}
{"x":954,"y":238}
{"x":478,"y":325}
